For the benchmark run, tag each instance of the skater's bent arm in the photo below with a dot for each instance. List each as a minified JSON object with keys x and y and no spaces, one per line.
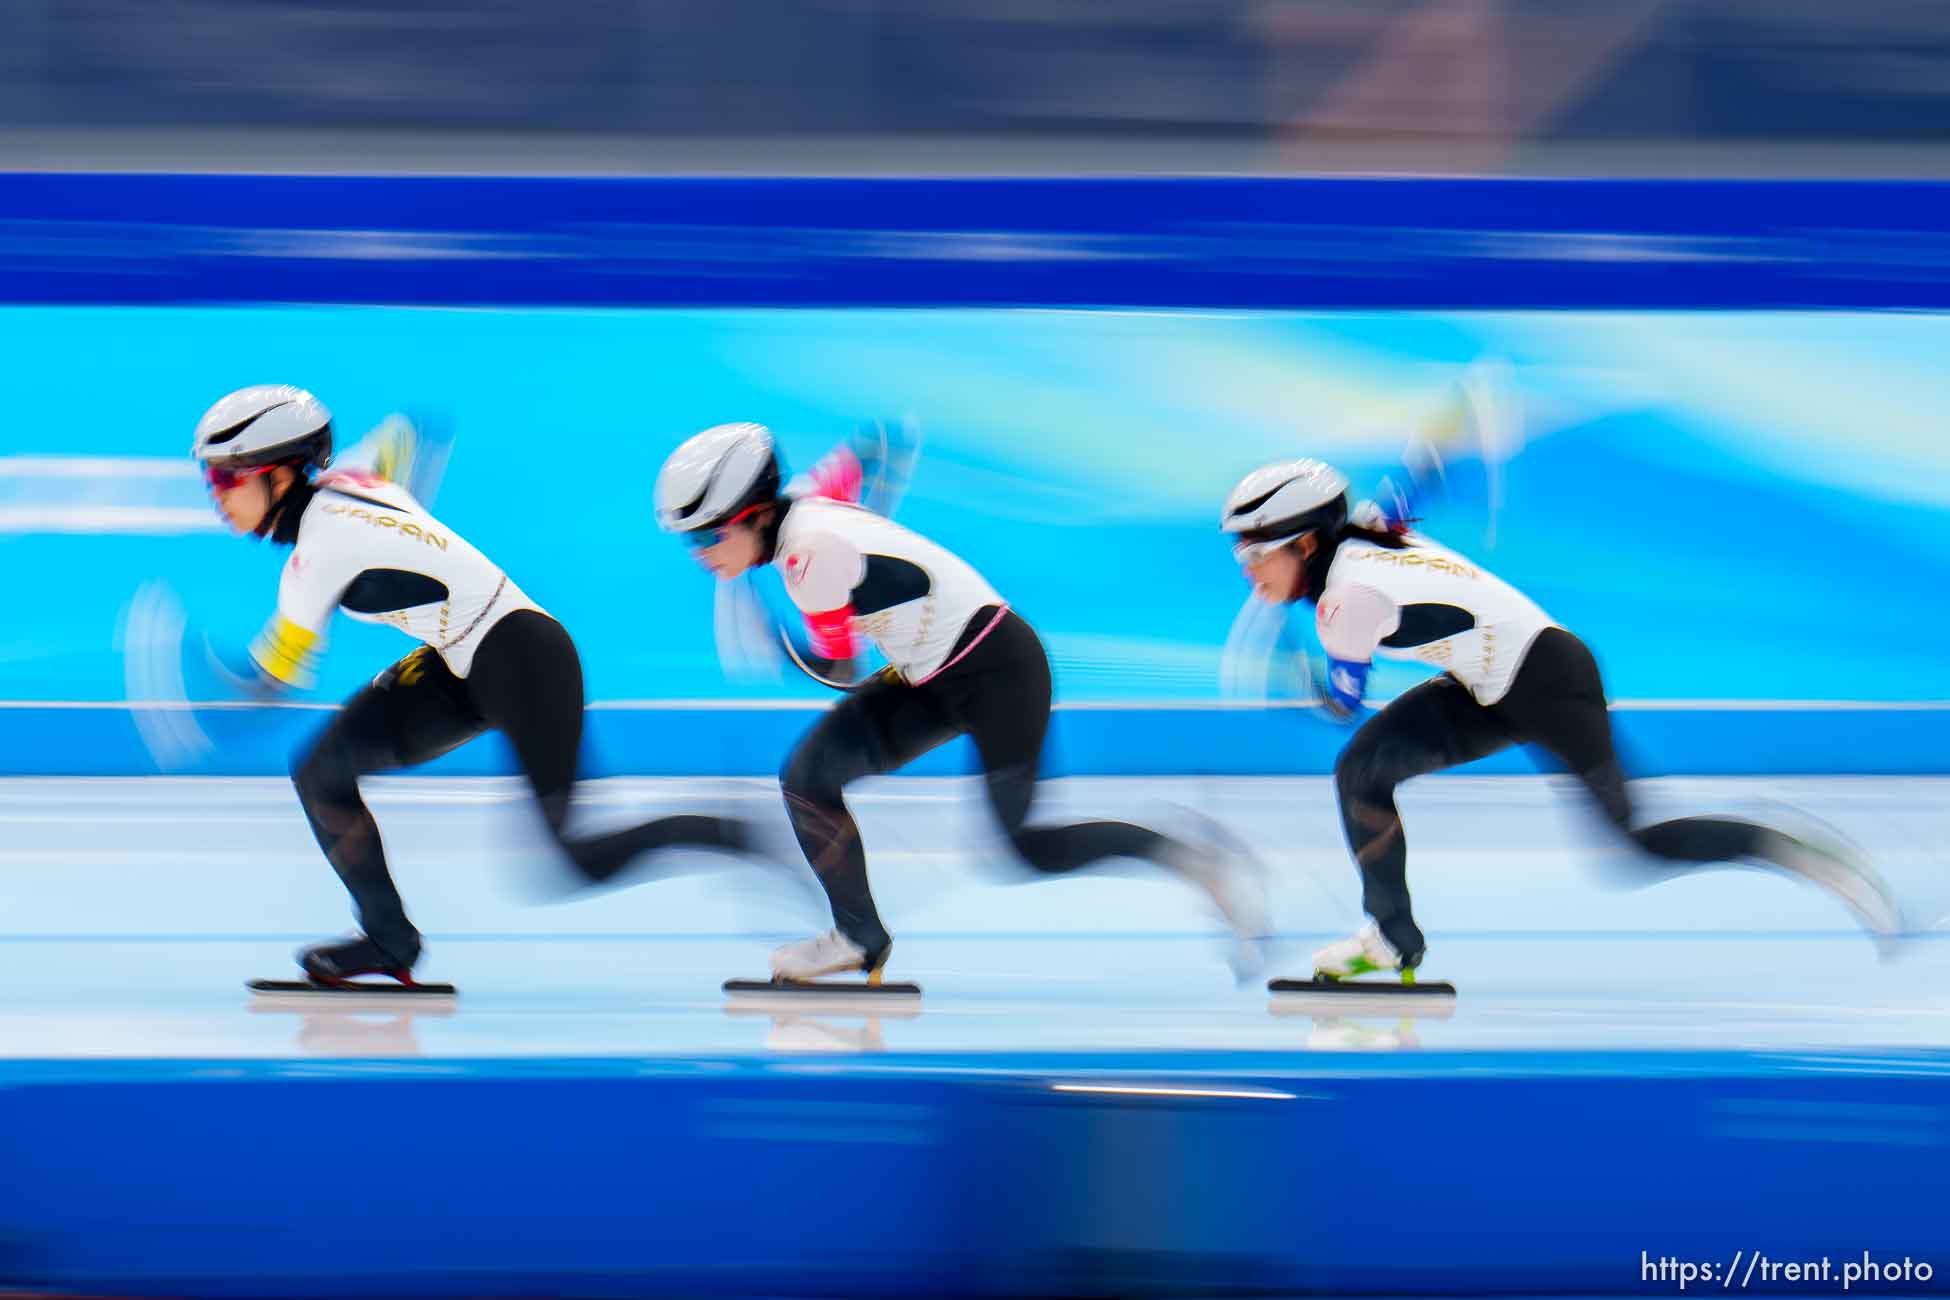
{"x":286,"y":652}
{"x":1400,"y":498}
{"x":869,"y":469}
{"x":836,"y":476}
{"x":1352,"y":621}
{"x":821,"y":574}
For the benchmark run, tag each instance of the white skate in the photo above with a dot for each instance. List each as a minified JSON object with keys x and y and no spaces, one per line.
{"x":826,"y":954}
{"x":1848,"y":876}
{"x":1361,"y":954}
{"x":1238,"y":893}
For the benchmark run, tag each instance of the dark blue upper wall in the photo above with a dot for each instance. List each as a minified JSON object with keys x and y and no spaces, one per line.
{"x":1453,"y":244}
{"x":1216,"y":70}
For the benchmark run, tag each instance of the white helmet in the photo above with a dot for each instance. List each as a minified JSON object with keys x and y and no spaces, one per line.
{"x":716,"y":475}
{"x":265,"y":424}
{"x":1277,"y":503}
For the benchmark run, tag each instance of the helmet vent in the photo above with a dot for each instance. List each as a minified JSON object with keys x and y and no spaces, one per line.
{"x":1247,"y":507}
{"x":225,"y":435}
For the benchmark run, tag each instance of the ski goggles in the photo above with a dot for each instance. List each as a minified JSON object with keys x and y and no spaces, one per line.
{"x":222,"y":478}
{"x":1251,"y":548}
{"x":701,"y":539}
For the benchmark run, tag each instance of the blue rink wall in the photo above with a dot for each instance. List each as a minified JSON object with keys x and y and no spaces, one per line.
{"x":1722,"y":403}
{"x":988,"y":1175}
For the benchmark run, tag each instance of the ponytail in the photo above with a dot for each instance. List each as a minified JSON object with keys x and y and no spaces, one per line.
{"x":1387,"y":539}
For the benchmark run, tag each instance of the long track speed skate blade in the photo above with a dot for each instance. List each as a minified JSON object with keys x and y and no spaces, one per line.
{"x":1368,"y":988}
{"x":352,"y":989}
{"x":821,"y":988}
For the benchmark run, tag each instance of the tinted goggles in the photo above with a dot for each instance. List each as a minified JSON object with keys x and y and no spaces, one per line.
{"x":222,"y":478}
{"x":699,"y":539}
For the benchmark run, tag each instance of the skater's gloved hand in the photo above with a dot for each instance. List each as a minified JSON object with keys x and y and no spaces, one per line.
{"x":1456,"y":455}
{"x":840,"y":674}
{"x":1399,"y":501}
{"x":871,"y":468}
{"x":1392,"y":509}
{"x":152,"y":667}
{"x":217,"y":671}
{"x":886,"y":450}
{"x":1339,"y":687}
{"x":409,"y":450}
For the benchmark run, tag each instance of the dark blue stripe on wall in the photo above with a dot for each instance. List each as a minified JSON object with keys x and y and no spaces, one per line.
{"x":1210,"y":242}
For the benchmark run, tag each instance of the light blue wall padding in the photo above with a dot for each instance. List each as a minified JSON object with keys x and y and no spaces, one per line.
{"x":1728,"y":506}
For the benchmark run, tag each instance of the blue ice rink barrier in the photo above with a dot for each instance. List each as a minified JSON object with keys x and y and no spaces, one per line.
{"x":988,"y":1175}
{"x":1181,"y":242}
{"x":1716,"y":409}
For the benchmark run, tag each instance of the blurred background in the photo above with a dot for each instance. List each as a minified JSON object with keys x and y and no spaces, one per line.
{"x":1673,"y":276}
{"x":1668,"y":87}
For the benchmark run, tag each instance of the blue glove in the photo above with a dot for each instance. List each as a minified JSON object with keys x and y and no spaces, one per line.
{"x":1340,"y":686}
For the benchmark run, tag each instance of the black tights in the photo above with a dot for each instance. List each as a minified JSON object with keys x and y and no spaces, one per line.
{"x":1557,"y":703}
{"x":999,"y":696}
{"x":526,"y":683}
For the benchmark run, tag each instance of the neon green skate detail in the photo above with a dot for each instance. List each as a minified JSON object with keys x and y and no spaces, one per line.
{"x":1363,"y":966}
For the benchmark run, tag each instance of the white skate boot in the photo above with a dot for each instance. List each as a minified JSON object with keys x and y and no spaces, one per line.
{"x":1832,"y":865}
{"x":1364,"y":953}
{"x":827,"y":954}
{"x":1238,"y":892}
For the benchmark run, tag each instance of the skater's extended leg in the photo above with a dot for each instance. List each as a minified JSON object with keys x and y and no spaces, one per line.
{"x":876,"y":728}
{"x":1558,"y":702}
{"x":1435,"y":725}
{"x":413,"y":712}
{"x":1000,"y":695}
{"x":526,"y":682}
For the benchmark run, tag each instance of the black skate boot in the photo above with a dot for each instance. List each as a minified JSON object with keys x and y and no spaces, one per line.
{"x":338,"y":964}
{"x":332,"y":970}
